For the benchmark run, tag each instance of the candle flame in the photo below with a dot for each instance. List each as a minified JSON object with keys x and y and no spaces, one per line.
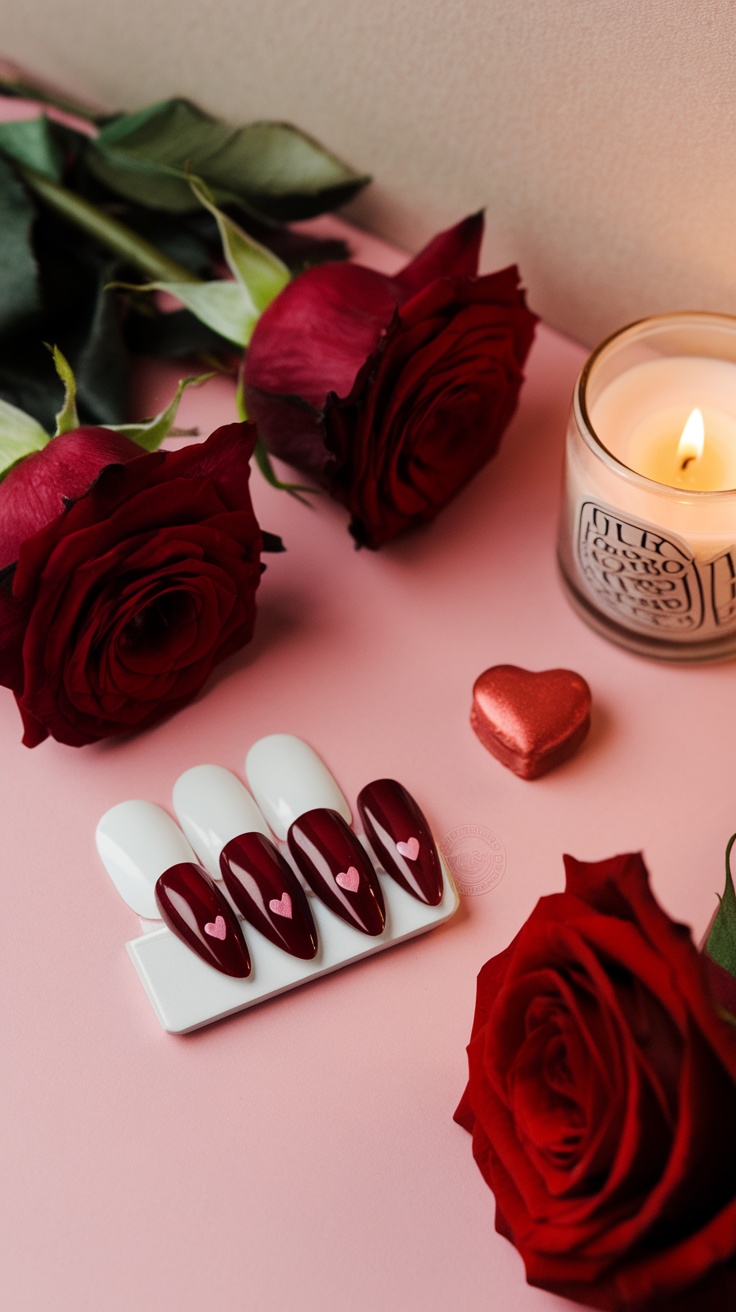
{"x":691,"y":443}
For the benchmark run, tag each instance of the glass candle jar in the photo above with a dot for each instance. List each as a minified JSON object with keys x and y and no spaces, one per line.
{"x":647,"y":544}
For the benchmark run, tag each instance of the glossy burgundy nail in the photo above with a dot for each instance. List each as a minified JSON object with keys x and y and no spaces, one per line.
{"x":401,"y":839}
{"x":267,"y":892}
{"x":338,"y":869}
{"x":196,"y":911}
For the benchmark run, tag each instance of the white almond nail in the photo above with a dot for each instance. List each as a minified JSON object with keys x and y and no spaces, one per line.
{"x":288,"y":778}
{"x":137,"y":841}
{"x":213,"y":806}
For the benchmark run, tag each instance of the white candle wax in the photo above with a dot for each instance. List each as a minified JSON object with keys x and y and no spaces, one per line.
{"x":640,"y":416}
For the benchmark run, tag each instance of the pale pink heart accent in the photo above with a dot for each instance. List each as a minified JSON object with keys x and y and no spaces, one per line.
{"x":216,"y":930}
{"x":348,"y":879}
{"x":409,"y":849}
{"x":282,"y":908}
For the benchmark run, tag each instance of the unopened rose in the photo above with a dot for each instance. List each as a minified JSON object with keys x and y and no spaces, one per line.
{"x":601,"y":1099}
{"x":391,"y":392}
{"x":124,"y":582}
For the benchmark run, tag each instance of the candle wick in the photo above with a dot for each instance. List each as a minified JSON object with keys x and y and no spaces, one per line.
{"x":686,"y":462}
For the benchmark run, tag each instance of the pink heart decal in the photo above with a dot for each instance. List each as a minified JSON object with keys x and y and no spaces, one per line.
{"x":409,"y":849}
{"x":282,"y":908}
{"x":348,"y":879}
{"x":216,"y":930}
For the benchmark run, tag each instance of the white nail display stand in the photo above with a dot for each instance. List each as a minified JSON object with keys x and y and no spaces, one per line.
{"x":137,"y":841}
{"x":186,"y":993}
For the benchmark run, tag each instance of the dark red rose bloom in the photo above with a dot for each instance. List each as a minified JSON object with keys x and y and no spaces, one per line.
{"x":391,"y":392}
{"x":132,"y":579}
{"x":601,"y":1097}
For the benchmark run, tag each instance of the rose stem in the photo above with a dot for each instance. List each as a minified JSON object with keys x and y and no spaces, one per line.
{"x":110,"y":232}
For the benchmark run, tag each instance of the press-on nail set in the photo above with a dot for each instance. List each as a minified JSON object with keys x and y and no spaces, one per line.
{"x":262,"y":890}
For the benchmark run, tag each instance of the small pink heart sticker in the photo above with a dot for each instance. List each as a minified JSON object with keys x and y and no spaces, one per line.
{"x":348,"y":879}
{"x":216,"y":930}
{"x":282,"y":908}
{"x":409,"y":849}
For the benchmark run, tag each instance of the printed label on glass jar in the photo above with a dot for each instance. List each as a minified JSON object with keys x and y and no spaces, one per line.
{"x":649,"y":580}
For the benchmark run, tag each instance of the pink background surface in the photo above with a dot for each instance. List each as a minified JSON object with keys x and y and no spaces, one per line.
{"x":303,"y":1154}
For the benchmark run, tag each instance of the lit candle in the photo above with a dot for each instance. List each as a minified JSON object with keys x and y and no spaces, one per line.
{"x":643,"y":417}
{"x":648,"y":532}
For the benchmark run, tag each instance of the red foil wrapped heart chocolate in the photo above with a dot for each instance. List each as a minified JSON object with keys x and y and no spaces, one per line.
{"x":530,"y":722}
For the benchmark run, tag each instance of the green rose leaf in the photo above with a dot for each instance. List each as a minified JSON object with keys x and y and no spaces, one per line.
{"x":232,"y":309}
{"x":84,"y":322}
{"x":151,"y":434}
{"x":224,"y":306}
{"x":148,"y":434}
{"x":100,"y":357}
{"x":721,"y":945}
{"x":261,"y":273}
{"x":67,"y":418}
{"x":20,"y":435}
{"x":19,"y":289}
{"x":32,"y":142}
{"x":271,"y":169}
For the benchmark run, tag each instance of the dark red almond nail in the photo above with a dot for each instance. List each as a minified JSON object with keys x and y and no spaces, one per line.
{"x":196,"y":911}
{"x":338,"y":869}
{"x":401,"y":839}
{"x":266,"y":891}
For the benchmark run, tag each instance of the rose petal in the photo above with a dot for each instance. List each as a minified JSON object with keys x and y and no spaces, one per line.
{"x":453,"y":253}
{"x":13,"y":620}
{"x":315,"y":336}
{"x":35,"y":490}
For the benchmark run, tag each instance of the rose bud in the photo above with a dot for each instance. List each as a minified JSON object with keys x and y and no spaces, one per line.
{"x":132,"y":579}
{"x":602,"y":1083}
{"x":391,"y":392}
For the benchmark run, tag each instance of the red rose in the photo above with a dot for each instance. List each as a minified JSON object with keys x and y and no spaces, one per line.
{"x":601,"y":1096}
{"x":391,"y":392}
{"x":120,"y":605}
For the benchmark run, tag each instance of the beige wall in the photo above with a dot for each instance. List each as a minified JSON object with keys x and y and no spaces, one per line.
{"x":599,"y":134}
